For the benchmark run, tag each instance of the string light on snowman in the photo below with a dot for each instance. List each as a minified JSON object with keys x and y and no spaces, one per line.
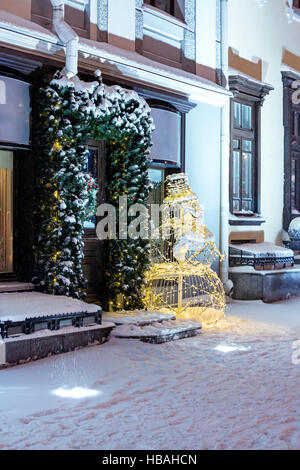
{"x":180,"y":279}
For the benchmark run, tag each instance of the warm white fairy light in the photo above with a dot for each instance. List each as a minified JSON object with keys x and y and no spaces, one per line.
{"x":180,"y":279}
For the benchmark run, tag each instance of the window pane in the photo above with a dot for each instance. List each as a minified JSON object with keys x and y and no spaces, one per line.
{"x":236,"y":205}
{"x":91,"y":169}
{"x":236,"y":174}
{"x":92,"y":163}
{"x":166,"y":138}
{"x":295,"y":180}
{"x":236,"y":144}
{"x":294,"y":123}
{"x":165,"y":5}
{"x":247,"y":145}
{"x":247,"y":175}
{"x":237,"y":115}
{"x":156,"y":177}
{"x":247,"y":206}
{"x":246,"y":117}
{"x":14,"y":111}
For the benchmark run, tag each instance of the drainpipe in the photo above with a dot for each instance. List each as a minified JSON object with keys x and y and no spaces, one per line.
{"x":225,"y":146}
{"x":67,"y":36}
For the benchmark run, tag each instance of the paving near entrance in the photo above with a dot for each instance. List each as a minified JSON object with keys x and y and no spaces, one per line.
{"x":232,"y":386}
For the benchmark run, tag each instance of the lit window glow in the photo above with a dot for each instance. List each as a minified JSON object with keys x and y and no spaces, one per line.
{"x":75,"y":392}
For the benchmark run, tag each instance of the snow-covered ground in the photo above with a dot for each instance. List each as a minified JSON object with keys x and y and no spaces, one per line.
{"x":234,"y":386}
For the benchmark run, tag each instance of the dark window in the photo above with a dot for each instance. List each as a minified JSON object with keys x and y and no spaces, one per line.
{"x":291,"y":121}
{"x":165,"y":5}
{"x":166,"y":152}
{"x":14,"y":111}
{"x":166,"y":138}
{"x":296,"y":4}
{"x":168,"y":113}
{"x":244,"y":188}
{"x":295,"y":184}
{"x":173,"y":7}
{"x":243,"y":159}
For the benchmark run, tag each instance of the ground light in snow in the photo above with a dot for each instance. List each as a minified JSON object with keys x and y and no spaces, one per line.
{"x":75,"y":392}
{"x":226,"y":348}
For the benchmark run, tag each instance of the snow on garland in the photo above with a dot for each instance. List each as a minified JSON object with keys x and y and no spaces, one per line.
{"x":70,"y":112}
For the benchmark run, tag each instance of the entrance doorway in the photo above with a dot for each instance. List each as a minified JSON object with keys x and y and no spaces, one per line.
{"x":94,"y":249}
{"x":6,"y":211}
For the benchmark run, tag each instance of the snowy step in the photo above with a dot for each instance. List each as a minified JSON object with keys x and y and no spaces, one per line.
{"x":137,"y":317}
{"x":11,"y":286}
{"x":27,"y":312}
{"x":21,"y":348}
{"x":159,"y":332}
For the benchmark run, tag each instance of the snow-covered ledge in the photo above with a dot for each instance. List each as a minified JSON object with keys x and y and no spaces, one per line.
{"x":26,"y":35}
{"x":254,"y":220}
{"x":129,"y":64}
{"x":22,"y":33}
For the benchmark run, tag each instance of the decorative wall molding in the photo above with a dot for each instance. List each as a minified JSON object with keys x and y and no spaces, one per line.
{"x":162,"y":29}
{"x":240,"y":84}
{"x":102,"y":16}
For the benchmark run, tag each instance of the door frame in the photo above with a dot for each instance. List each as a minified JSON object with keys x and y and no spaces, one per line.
{"x":22,"y":156}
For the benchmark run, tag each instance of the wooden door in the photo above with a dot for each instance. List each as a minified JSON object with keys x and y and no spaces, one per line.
{"x":94,"y":249}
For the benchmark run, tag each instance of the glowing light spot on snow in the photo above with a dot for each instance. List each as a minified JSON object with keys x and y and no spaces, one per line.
{"x":75,"y":392}
{"x":226,"y":348}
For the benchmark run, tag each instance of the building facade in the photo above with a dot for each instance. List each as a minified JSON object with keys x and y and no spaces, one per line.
{"x":219,"y":99}
{"x":263,"y":55}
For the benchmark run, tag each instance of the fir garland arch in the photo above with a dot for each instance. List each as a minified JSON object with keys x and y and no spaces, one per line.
{"x":70,"y":112}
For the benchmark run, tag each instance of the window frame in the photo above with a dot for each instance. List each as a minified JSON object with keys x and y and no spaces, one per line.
{"x":176,"y":104}
{"x":241,"y":134}
{"x":158,"y":104}
{"x":155,"y":28}
{"x":291,"y":147}
{"x":167,"y":167}
{"x":250,"y":92}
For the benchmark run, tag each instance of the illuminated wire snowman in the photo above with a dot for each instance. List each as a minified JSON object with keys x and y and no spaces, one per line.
{"x":180,"y":278}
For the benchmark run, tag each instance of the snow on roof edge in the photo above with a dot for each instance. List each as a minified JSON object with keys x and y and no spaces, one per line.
{"x":10,"y":21}
{"x":133,"y":59}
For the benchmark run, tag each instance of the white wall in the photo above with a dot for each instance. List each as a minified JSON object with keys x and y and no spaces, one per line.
{"x":206,"y":33}
{"x":121,"y":18}
{"x":203,"y":161}
{"x":262,"y":33}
